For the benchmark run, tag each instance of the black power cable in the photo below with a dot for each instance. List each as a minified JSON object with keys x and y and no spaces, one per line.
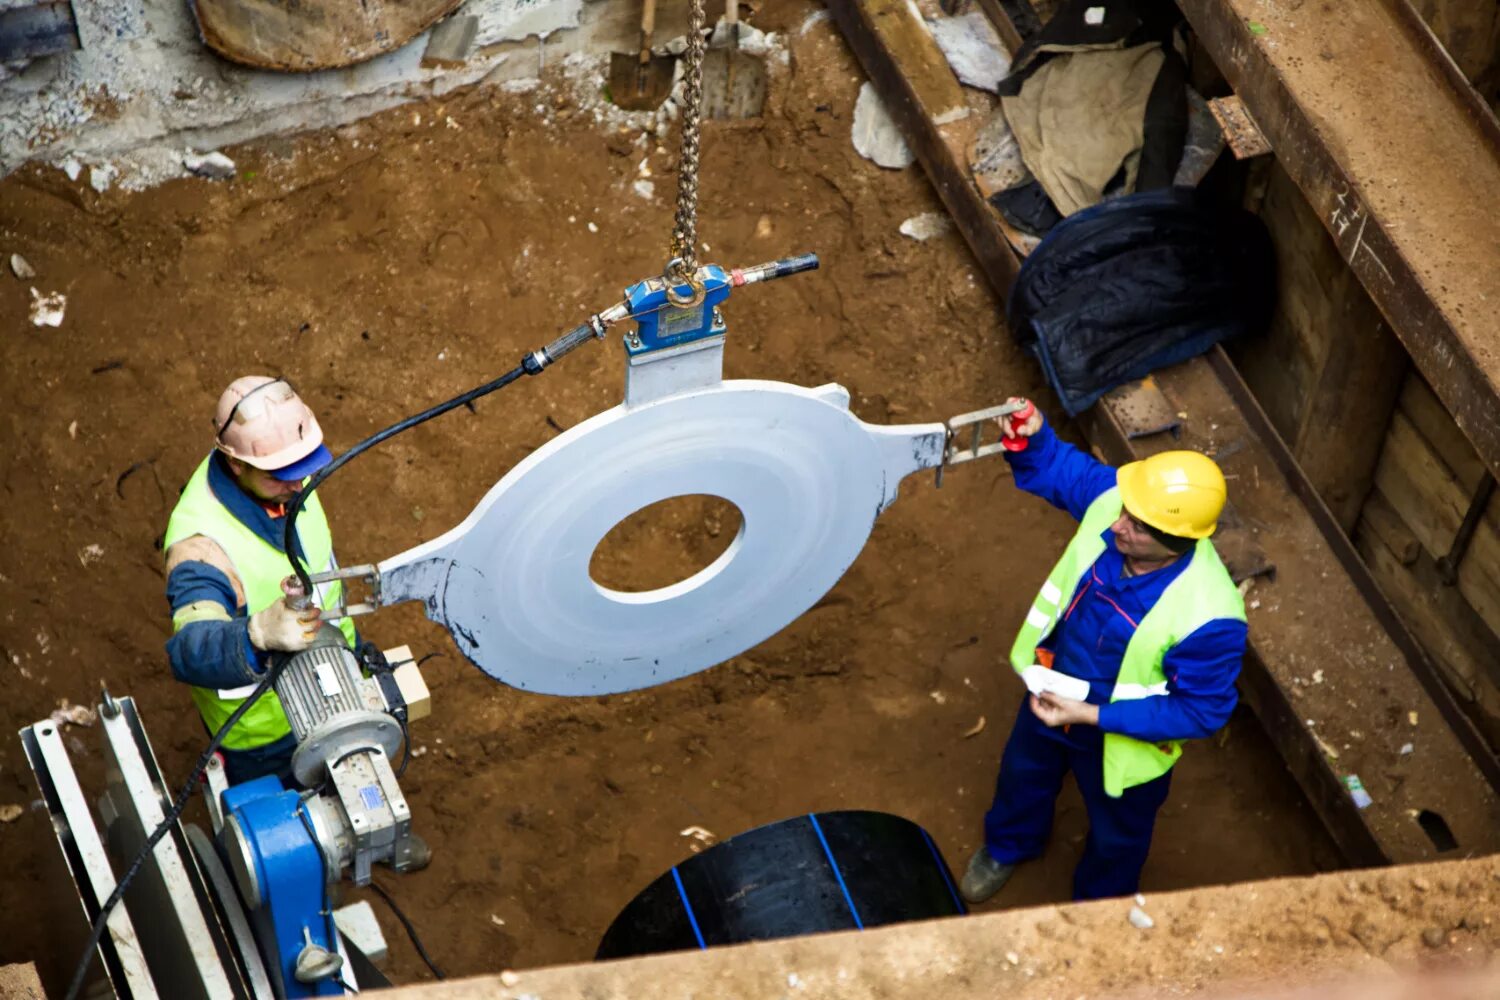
{"x":533,"y":364}
{"x":411,"y":931}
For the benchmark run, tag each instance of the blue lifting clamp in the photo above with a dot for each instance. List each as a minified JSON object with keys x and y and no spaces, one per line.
{"x":672,"y":313}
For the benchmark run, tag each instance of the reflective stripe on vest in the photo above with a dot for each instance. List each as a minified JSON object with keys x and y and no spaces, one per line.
{"x":1201,"y":593}
{"x":260,"y":568}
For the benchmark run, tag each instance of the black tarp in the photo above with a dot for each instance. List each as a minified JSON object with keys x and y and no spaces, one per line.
{"x":1136,"y":283}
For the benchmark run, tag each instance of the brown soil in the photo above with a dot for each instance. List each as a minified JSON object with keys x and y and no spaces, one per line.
{"x":395,"y":263}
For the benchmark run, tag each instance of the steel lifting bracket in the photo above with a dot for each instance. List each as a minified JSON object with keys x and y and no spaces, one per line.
{"x":368,"y":574}
{"x":953,"y":454}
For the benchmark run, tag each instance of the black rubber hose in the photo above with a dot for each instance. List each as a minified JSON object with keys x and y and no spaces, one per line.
{"x":411,"y":931}
{"x":289,"y":536}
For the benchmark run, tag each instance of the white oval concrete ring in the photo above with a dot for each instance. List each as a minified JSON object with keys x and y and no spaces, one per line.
{"x":512,"y":581}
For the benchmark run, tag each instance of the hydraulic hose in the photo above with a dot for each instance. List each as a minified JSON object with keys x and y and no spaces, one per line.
{"x":532,"y":364}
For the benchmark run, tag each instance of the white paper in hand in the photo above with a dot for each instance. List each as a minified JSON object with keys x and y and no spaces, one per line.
{"x":1039,"y":679}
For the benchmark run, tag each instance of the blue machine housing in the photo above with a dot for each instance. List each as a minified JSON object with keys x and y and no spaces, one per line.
{"x":293,"y":884}
{"x":662,"y":324}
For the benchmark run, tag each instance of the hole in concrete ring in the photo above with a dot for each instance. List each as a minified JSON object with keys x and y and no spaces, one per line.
{"x":664,"y":543}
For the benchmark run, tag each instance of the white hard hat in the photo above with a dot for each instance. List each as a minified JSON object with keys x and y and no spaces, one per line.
{"x":262,"y":422}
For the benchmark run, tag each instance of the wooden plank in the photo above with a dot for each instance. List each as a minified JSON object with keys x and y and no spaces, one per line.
{"x":1422,"y":407}
{"x":1461,"y":645}
{"x":1449,"y":627}
{"x":1467,"y":30}
{"x":926,"y":102}
{"x":1328,"y":369}
{"x":1397,"y":193}
{"x":1012,"y":34}
{"x":1314,"y":613}
{"x":1381,"y":520}
{"x":1433,"y":504}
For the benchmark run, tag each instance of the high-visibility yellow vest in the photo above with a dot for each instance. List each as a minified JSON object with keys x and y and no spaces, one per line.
{"x":260,"y":568}
{"x":1201,"y":593}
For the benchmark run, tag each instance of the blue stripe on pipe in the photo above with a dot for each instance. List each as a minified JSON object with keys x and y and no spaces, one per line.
{"x":687,"y":907}
{"x":938,"y":858}
{"x":836,"y":873}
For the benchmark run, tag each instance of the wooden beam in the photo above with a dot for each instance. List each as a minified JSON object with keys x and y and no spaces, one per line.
{"x":1448,"y":627}
{"x":1328,"y":369}
{"x":1381,"y":520}
{"x":1460,"y":644}
{"x":1396,"y":191}
{"x":1433,"y":504}
{"x":926,"y":102}
{"x":1422,"y":407}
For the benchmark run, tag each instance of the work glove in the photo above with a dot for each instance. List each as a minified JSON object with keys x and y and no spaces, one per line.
{"x":280,"y":626}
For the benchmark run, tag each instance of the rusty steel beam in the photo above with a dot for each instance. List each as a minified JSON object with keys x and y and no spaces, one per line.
{"x":1399,"y":158}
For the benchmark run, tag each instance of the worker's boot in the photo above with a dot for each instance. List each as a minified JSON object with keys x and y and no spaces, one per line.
{"x":418,"y":855}
{"x":985,"y":876}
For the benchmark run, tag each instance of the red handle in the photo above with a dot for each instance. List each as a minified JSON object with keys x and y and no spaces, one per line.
{"x":1016,"y":420}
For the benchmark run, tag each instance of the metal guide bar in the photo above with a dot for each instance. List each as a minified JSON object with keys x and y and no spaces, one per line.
{"x":83,"y":851}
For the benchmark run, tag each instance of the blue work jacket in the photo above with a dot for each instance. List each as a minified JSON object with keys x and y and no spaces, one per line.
{"x":1102,"y":614}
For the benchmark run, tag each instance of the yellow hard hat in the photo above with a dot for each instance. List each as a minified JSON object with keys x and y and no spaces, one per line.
{"x":1179,"y":492}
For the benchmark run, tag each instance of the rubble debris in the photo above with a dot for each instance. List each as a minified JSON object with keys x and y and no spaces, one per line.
{"x":21,"y":267}
{"x":701,"y":835}
{"x":451,"y":41}
{"x":972,"y":48}
{"x":47,"y":310}
{"x":975,"y":729}
{"x":215,"y":166}
{"x":927,"y":225}
{"x":101,"y":176}
{"x":73,"y":715}
{"x":1140,"y":919}
{"x":10,"y":812}
{"x":89,"y":554}
{"x":876,"y":137}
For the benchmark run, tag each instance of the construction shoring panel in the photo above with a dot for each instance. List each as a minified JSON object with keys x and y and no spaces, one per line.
{"x":1399,"y":158}
{"x":1324,"y":669}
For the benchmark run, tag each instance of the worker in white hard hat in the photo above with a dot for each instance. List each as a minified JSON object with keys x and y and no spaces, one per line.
{"x":1132,"y":646}
{"x":228,"y":574}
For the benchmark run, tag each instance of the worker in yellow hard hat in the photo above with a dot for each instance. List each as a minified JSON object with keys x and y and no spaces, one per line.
{"x":1131,"y":646}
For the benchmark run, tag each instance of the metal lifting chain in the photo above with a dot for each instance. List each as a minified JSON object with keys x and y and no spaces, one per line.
{"x":684,"y":248}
